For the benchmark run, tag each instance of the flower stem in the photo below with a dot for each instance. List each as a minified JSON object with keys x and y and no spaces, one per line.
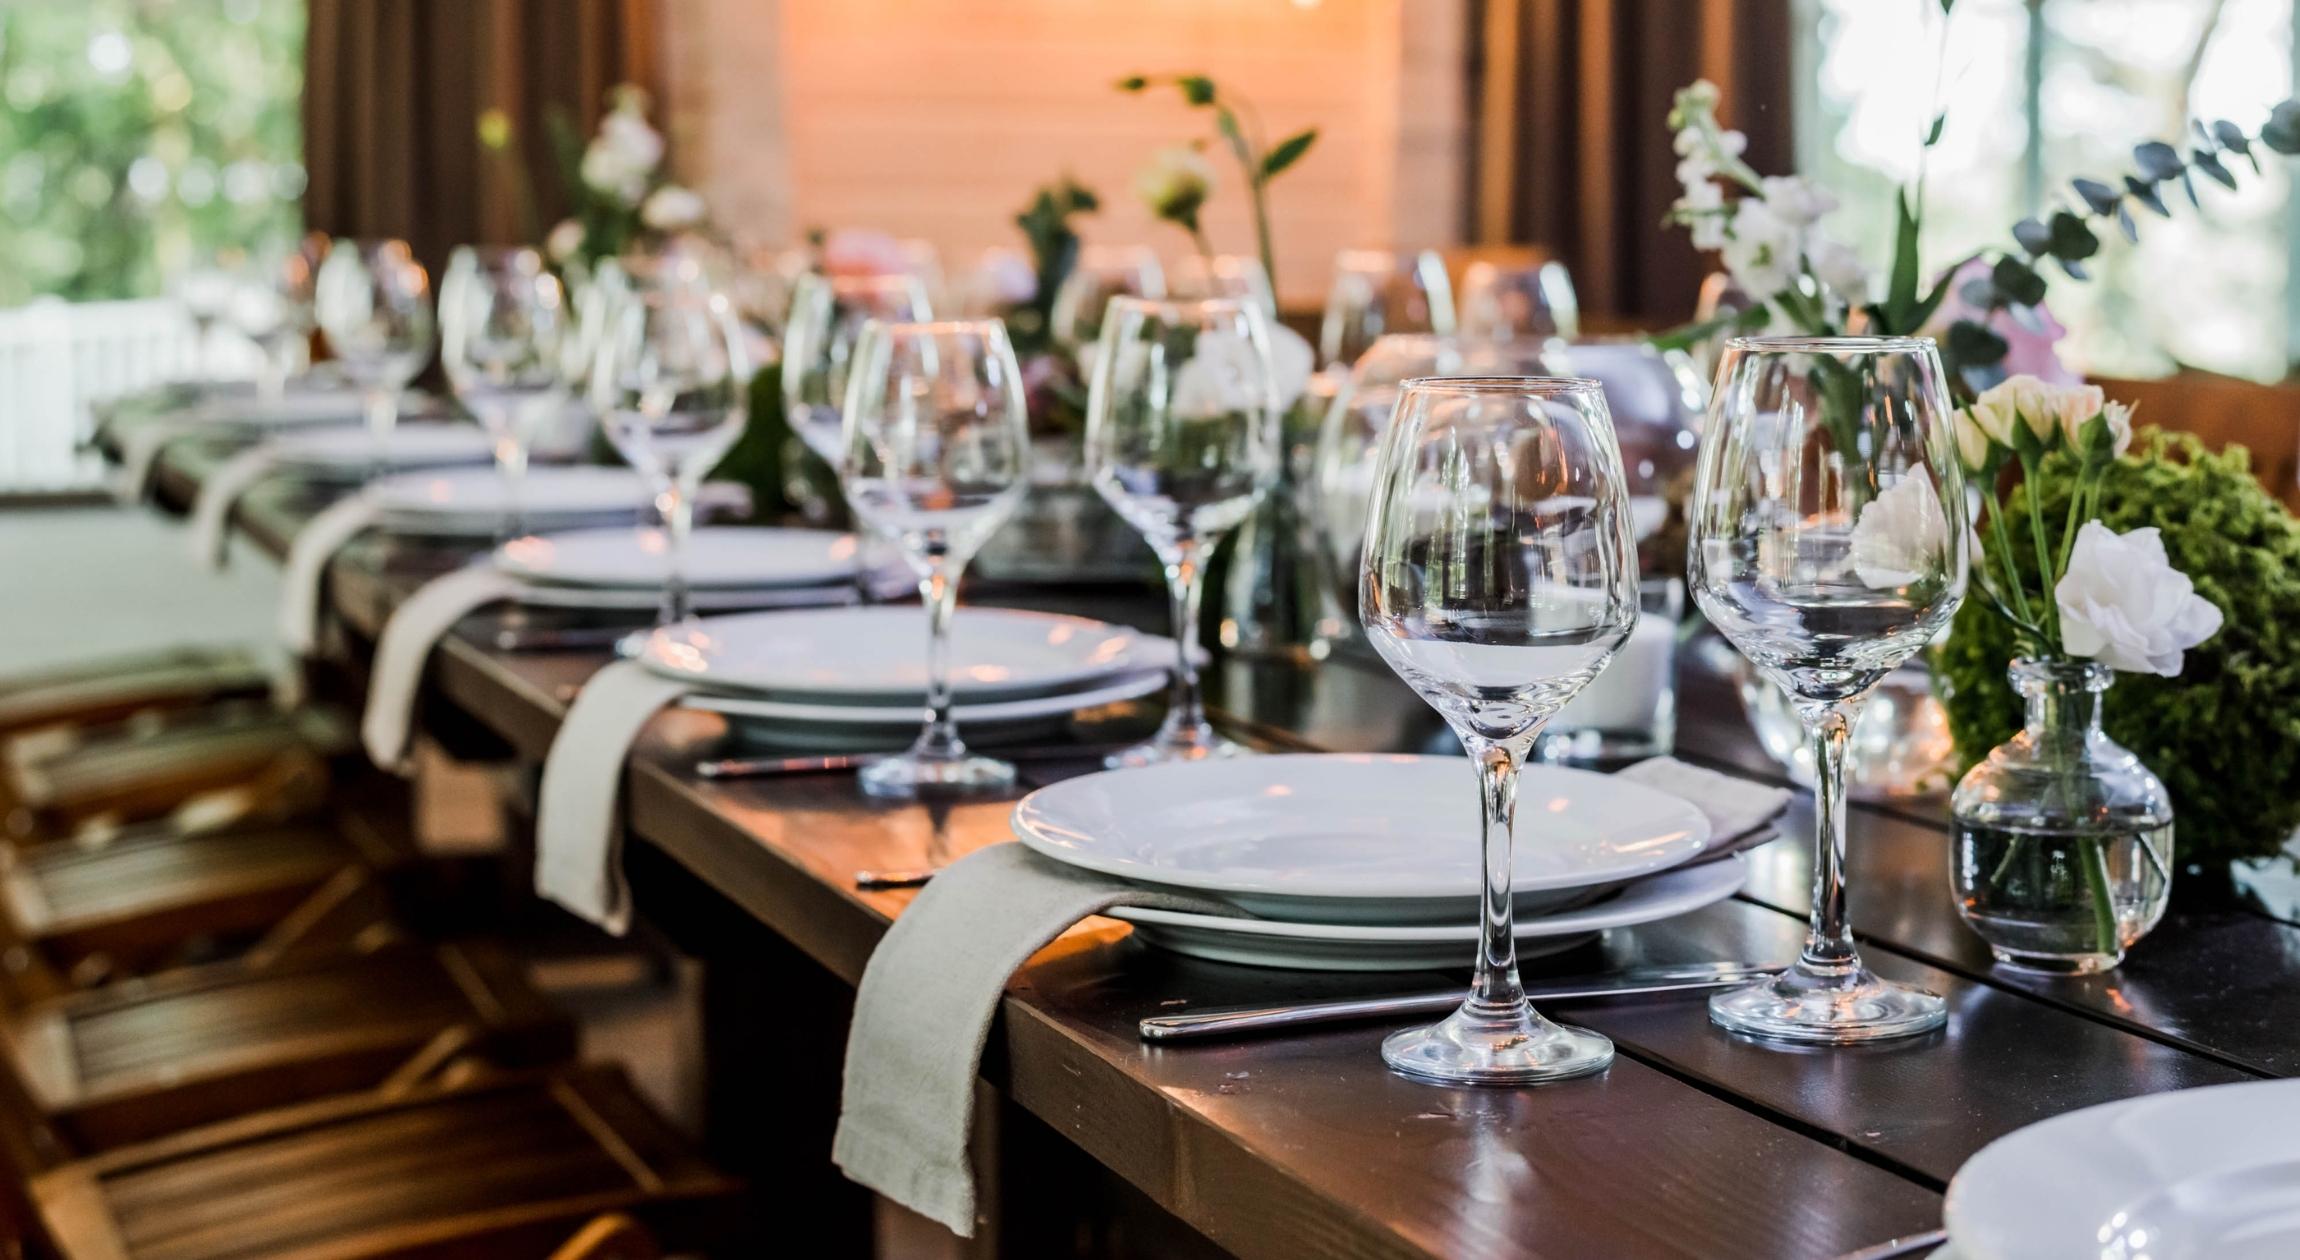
{"x":2103,"y":907}
{"x":2033,"y":490}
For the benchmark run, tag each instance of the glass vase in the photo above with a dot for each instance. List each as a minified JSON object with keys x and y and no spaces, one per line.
{"x":2063,"y":839}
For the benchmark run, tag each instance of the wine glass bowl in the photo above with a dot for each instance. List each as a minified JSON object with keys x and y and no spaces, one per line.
{"x":1101,"y":273}
{"x":1829,"y":545}
{"x":1182,"y":441}
{"x":826,"y":318}
{"x":1500,"y":577}
{"x":374,"y":302}
{"x":504,"y":333}
{"x":1377,"y":293}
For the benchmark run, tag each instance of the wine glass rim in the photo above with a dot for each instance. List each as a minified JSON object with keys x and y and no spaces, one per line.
{"x":941,"y":327}
{"x":1830,"y":344}
{"x":1135,"y":302}
{"x":1539,"y":386}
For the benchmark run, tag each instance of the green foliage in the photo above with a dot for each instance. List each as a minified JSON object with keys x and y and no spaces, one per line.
{"x":2224,"y":735}
{"x":1045,"y":224}
{"x":756,"y":458}
{"x":138,"y":138}
{"x":1241,"y":131}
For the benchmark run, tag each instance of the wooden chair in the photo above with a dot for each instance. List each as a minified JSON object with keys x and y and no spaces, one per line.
{"x":615,"y":1237}
{"x":75,"y":915}
{"x":493,"y":1168}
{"x":121,"y":687}
{"x":227,"y":761}
{"x":144,"y":1058}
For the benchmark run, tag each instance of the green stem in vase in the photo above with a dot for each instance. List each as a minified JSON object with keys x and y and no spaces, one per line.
{"x":2103,"y":904}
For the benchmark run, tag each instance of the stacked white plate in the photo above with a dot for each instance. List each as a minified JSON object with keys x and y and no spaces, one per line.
{"x":1369,"y":863}
{"x":860,"y":673}
{"x":335,"y":453}
{"x":470,"y":502}
{"x":728,"y":567}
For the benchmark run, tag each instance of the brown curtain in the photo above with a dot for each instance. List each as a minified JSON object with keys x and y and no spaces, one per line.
{"x":393,"y":90}
{"x":1573,"y":149}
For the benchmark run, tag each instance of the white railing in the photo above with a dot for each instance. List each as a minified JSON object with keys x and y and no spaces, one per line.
{"x":57,"y":358}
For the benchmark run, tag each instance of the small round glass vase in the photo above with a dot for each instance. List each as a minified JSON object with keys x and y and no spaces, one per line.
{"x":2063,"y":839}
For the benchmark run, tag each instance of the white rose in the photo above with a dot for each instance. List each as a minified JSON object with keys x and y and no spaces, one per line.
{"x":1795,"y":199}
{"x":672,"y":209}
{"x":1175,"y":183}
{"x":1762,"y":254}
{"x":1838,"y":266}
{"x":1973,"y":441}
{"x":2123,"y":604}
{"x":564,"y":241}
{"x":2034,"y":402}
{"x":1900,"y":535}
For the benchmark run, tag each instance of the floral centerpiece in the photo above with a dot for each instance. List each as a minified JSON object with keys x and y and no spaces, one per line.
{"x":620,"y":194}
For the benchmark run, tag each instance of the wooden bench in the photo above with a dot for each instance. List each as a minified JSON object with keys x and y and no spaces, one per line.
{"x":111,"y":690}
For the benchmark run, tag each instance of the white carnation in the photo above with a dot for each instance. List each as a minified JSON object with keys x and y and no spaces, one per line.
{"x":2124,"y":605}
{"x":1901,"y":535}
{"x":672,"y":209}
{"x":1796,"y":200}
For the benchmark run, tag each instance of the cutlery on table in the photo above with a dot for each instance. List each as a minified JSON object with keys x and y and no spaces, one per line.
{"x":1905,"y":1245}
{"x":762,"y":767}
{"x":877,"y":881}
{"x":1234,"y":1020}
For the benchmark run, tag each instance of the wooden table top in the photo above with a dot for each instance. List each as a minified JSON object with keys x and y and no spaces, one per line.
{"x":1694,"y":1143}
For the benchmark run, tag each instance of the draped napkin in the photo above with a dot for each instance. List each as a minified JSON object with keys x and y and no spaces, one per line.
{"x":140,"y":449}
{"x":935,"y":981}
{"x":306,"y":571}
{"x":578,"y":838}
{"x":220,"y":490}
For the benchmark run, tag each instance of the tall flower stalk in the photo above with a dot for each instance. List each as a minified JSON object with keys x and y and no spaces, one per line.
{"x":1239,"y":129}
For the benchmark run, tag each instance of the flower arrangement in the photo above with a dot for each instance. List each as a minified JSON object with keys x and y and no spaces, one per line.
{"x":615,"y":185}
{"x":1179,"y":179}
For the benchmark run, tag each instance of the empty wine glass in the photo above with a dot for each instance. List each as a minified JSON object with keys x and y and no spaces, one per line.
{"x":1182,"y":441}
{"x":827,"y":316}
{"x":1532,"y":299}
{"x":1101,"y":273}
{"x":1828,"y":544}
{"x":272,"y":307}
{"x":205,"y":291}
{"x":504,"y":325}
{"x":1378,"y":293}
{"x":1500,"y":578}
{"x":374,"y":303}
{"x":1202,"y":276}
{"x":670,"y":382}
{"x":937,"y":457}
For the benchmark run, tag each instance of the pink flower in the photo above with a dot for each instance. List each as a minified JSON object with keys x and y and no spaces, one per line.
{"x":2029,"y":337}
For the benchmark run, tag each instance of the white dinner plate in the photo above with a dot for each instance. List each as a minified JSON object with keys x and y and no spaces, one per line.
{"x":717,"y":556}
{"x":298,"y":407}
{"x":2195,"y":1174}
{"x":906,"y":717}
{"x":878,"y":655}
{"x":1359,"y":947}
{"x":352,"y":451}
{"x":1353,"y":838}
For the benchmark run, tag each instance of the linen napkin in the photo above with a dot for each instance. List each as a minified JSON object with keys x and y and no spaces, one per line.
{"x":307,"y":560}
{"x":212,"y":510}
{"x":140,"y":449}
{"x":578,"y":839}
{"x":935,"y":981}
{"x":415,"y":627}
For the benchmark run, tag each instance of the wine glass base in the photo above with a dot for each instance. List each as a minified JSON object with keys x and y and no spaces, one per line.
{"x":905,"y":776}
{"x":1161,"y":751}
{"x":1798,"y":1006}
{"x":1510,"y":1046}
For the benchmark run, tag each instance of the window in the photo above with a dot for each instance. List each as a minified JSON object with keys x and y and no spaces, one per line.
{"x":2040,"y":92}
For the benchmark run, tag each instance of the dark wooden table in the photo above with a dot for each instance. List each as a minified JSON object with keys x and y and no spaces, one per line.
{"x":1694,"y":1143}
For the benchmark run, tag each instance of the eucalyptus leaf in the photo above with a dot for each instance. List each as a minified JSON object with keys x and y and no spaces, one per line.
{"x":2075,"y":270}
{"x":2282,"y":130}
{"x":2100,"y":197}
{"x":1289,"y":151}
{"x":1196,"y":89}
{"x":2072,"y":239}
{"x":1981,"y":293}
{"x":2125,"y":224}
{"x":2188,"y":185}
{"x":2033,"y":237}
{"x":2156,"y":159}
{"x":2018,"y":281}
{"x":2145,"y":193}
{"x":1933,"y":134}
{"x":1973,"y":345}
{"x":2209,"y":163}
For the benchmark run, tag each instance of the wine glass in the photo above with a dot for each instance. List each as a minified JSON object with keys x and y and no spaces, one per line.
{"x":271,"y":306}
{"x":1499,"y":579}
{"x":504,"y":324}
{"x":1201,"y":276}
{"x":1101,"y":273}
{"x":1532,"y":299}
{"x":374,"y":303}
{"x":1378,"y":293}
{"x":1182,"y":441}
{"x":937,"y":457}
{"x":827,"y":316}
{"x":670,"y":380}
{"x":205,"y":292}
{"x":1828,"y":544}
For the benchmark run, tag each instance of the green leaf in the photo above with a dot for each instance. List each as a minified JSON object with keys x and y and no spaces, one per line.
{"x":1133,"y":83}
{"x":2209,"y":163}
{"x":1933,"y":134}
{"x":2145,"y":193}
{"x":1288,"y":151}
{"x":2125,"y":225}
{"x":2100,"y":197}
{"x":2071,"y":238}
{"x":2156,"y":159}
{"x":1901,"y":287}
{"x":1196,"y":89}
{"x":1980,"y":292}
{"x":1931,"y":302}
{"x":2232,"y":138}
{"x":2282,"y":131}
{"x":1686,"y":336}
{"x":2033,"y":237}
{"x":1974,"y":345}
{"x":2017,"y":281}
{"x":2188,"y":186}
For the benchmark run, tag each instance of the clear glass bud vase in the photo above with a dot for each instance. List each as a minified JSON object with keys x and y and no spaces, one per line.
{"x":2063,"y":839}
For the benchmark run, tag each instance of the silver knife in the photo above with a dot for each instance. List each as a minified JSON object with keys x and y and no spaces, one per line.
{"x":761,"y":767}
{"x":1229,"y":1021}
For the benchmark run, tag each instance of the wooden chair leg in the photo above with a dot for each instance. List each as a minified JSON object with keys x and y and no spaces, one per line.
{"x":615,"y":1237}
{"x":349,"y":911}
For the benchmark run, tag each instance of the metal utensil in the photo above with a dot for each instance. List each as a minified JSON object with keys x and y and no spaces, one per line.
{"x":877,"y":881}
{"x":1229,"y":1021}
{"x":558,"y":638}
{"x":762,"y":767}
{"x":1906,"y":1244}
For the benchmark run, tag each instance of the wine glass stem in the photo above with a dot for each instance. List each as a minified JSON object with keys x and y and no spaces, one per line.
{"x":678,"y":510}
{"x":1495,"y":987}
{"x":511,"y":462}
{"x":939,"y":590}
{"x":1185,"y":582}
{"x":382,"y":414}
{"x":1829,"y":941}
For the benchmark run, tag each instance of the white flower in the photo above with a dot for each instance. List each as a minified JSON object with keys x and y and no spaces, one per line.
{"x":2123,"y":604}
{"x":1796,"y":200}
{"x":1708,"y":231}
{"x":2035,"y":403}
{"x":1838,"y":266}
{"x":1219,"y":376}
{"x":564,"y":241}
{"x":1731,"y":143}
{"x":2119,"y":417}
{"x":621,"y":160}
{"x":1686,"y":142}
{"x":1175,"y":183}
{"x":1291,"y":361}
{"x":672,"y":209}
{"x":1762,"y":253}
{"x":1900,"y":535}
{"x":1973,"y":441}
{"x":1695,"y":169}
{"x":1700,"y":94}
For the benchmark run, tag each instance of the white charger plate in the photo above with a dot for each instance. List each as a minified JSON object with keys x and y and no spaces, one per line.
{"x":352,"y":451}
{"x":717,"y":556}
{"x":1359,"y":947}
{"x":906,"y":717}
{"x":863,"y":656}
{"x":2194,"y":1174}
{"x":1333,"y":838}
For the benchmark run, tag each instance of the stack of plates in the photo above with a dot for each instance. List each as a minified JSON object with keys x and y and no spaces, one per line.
{"x":470,"y":502}
{"x":1370,"y":863}
{"x":339,"y":454}
{"x":727,"y":567}
{"x":861,"y":672}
